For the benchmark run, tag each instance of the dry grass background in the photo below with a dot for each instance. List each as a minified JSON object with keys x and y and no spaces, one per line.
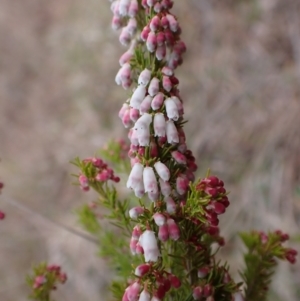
{"x":58,"y":99}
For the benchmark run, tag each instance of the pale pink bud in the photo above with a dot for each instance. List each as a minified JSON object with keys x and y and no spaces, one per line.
{"x":163,"y":233}
{"x":157,"y":7}
{"x":150,"y":181}
{"x":159,"y":219}
{"x":161,"y":39}
{"x":167,"y":84}
{"x":123,"y":109}
{"x":171,"y":205}
{"x":133,"y":8}
{"x":126,"y":119}
{"x":179,"y":157}
{"x":146,"y":104}
{"x":126,"y":57}
{"x":197,"y":293}
{"x":151,"y":42}
{"x":159,"y":124}
{"x":123,"y":7}
{"x":116,"y":23}
{"x":135,"y":212}
{"x":153,"y":88}
{"x":133,"y":291}
{"x":133,"y":137}
{"x":142,"y":270}
{"x":174,"y":230}
{"x":165,"y":187}
{"x":134,"y":114}
{"x":125,"y":72}
{"x":144,"y":136}
{"x":132,"y":26}
{"x":144,"y":296}
{"x":164,"y":22}
{"x":161,"y":52}
{"x":202,"y":273}
{"x":171,"y":109}
{"x":115,"y":8}
{"x":136,"y":232}
{"x":83,"y":180}
{"x":157,"y":101}
{"x":182,"y":184}
{"x":136,"y":176}
{"x":125,"y":37}
{"x":149,"y":243}
{"x":171,"y":131}
{"x":162,"y":170}
{"x":175,"y":281}
{"x":167,"y":71}
{"x":150,"y":3}
{"x":137,"y":97}
{"x":144,"y":77}
{"x":154,"y":23}
{"x":179,"y":105}
{"x":173,"y":24}
{"x":145,"y":33}
{"x":139,"y":249}
{"x":133,"y":242}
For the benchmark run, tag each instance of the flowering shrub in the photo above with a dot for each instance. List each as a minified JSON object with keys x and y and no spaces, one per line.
{"x":166,"y":235}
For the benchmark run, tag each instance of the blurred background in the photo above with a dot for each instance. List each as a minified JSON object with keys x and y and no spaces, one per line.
{"x":241,"y":84}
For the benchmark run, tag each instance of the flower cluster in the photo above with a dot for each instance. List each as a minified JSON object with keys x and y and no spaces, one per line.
{"x":44,"y":280}
{"x":95,"y":171}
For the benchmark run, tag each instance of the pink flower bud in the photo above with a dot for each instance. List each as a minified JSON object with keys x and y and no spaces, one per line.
{"x":125,"y":72}
{"x":132,"y":135}
{"x":145,"y":33}
{"x":202,"y":273}
{"x":153,"y":88}
{"x":154,"y":23}
{"x":161,"y":52}
{"x":142,"y":270}
{"x":137,"y":97}
{"x":164,"y":22}
{"x":151,"y":42}
{"x":133,"y":8}
{"x":132,"y":26}
{"x":136,"y":232}
{"x":182,"y":184}
{"x":144,"y":77}
{"x":179,"y":105}
{"x":173,"y":24}
{"x":144,"y":296}
{"x":174,"y":230}
{"x":126,"y":120}
{"x":125,"y":37}
{"x":126,"y":57}
{"x":175,"y":282}
{"x":171,"y":205}
{"x":146,"y":104}
{"x":135,"y":212}
{"x":159,"y":124}
{"x":83,"y":181}
{"x":207,"y":290}
{"x":171,"y":132}
{"x":157,"y":101}
{"x":167,"y":84}
{"x":133,"y":242}
{"x":171,"y":108}
{"x":2,"y":214}
{"x":167,"y":71}
{"x":150,"y":181}
{"x":133,"y":291}
{"x":116,"y":23}
{"x":134,"y":114}
{"x":170,"y":40}
{"x":136,"y":176}
{"x":197,"y":293}
{"x":160,"y":37}
{"x":163,"y":233}
{"x":179,"y":157}
{"x":153,"y":149}
{"x":139,"y":249}
{"x":162,"y":170}
{"x":149,"y":243}
{"x":165,"y":188}
{"x":157,"y":7}
{"x":159,"y":219}
{"x":123,"y":7}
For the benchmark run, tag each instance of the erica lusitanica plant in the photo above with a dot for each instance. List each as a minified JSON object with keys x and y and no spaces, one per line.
{"x":164,"y":237}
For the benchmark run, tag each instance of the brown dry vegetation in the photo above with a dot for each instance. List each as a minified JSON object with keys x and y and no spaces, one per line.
{"x":58,"y":99}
